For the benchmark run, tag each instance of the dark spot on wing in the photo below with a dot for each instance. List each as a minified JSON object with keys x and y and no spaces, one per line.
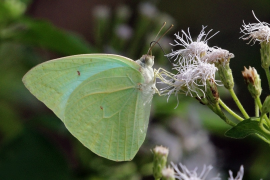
{"x":101,"y":107}
{"x":140,"y":86}
{"x":78,"y":73}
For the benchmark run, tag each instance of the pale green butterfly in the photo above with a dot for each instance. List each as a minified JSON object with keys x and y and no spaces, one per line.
{"x":104,"y":100}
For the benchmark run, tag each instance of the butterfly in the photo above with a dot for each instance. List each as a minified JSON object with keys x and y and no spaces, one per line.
{"x":104,"y":100}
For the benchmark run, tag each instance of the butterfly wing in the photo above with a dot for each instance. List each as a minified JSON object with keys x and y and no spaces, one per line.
{"x":98,"y":97}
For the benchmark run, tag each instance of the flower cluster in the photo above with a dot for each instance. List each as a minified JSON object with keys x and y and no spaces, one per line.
{"x":195,"y":65}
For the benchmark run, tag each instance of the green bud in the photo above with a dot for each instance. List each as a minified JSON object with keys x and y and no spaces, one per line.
{"x":253,"y":81}
{"x":160,"y":160}
{"x":266,"y":105}
{"x":225,"y":74}
{"x":168,"y":174}
{"x":211,"y":93}
{"x":265,"y":54}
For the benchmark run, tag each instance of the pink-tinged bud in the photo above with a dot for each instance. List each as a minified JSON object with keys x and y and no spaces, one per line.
{"x":253,"y":81}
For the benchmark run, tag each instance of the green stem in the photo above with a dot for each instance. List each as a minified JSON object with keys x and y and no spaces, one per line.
{"x":257,"y":110}
{"x":229,"y":110}
{"x":262,"y":127}
{"x":259,"y":103}
{"x":267,"y":75}
{"x":237,"y":102}
{"x":262,"y":138}
{"x":216,"y":109}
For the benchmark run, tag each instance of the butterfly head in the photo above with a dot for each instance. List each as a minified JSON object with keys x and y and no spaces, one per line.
{"x":147,"y":60}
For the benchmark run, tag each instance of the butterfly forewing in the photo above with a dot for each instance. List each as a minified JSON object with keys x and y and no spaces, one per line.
{"x":52,"y":82}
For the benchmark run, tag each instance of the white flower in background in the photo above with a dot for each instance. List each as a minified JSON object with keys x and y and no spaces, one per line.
{"x":102,"y":12}
{"x":124,"y":31}
{"x":192,"y":49}
{"x":239,"y":175}
{"x":183,"y":173}
{"x":148,"y":9}
{"x":256,"y":31}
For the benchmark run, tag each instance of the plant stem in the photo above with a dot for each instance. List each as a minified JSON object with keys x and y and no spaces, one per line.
{"x":237,"y":102}
{"x":257,"y":110}
{"x":259,"y":103}
{"x":262,"y":127}
{"x":216,"y":109}
{"x":229,"y":110}
{"x":267,"y":75}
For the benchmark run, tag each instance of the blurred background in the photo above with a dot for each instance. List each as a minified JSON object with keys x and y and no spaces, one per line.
{"x":34,"y":143}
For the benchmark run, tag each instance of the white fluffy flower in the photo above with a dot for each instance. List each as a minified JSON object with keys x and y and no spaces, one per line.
{"x":190,"y":79}
{"x":256,"y":31}
{"x":239,"y":175}
{"x":183,"y":173}
{"x":192,"y":49}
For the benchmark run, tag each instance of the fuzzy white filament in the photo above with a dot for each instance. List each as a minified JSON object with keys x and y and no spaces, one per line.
{"x":239,"y":175}
{"x":255,"y":31}
{"x":183,"y":173}
{"x":192,"y":49}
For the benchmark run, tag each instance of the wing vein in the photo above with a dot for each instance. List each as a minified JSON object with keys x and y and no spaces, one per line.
{"x":109,"y":149}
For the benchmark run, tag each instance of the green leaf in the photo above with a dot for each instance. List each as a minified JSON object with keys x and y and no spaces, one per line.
{"x":10,"y":124}
{"x":31,"y":156}
{"x":246,"y":128}
{"x":44,"y":34}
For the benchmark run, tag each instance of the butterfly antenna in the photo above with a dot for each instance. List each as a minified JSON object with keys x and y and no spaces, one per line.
{"x":161,"y":49}
{"x":156,"y":35}
{"x":159,"y":30}
{"x":151,"y":47}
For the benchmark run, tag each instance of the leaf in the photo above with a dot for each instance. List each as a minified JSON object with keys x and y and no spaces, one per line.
{"x":246,"y":128}
{"x":10,"y":124}
{"x":44,"y":34}
{"x":31,"y":156}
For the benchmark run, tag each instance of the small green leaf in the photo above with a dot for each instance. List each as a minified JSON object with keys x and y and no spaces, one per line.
{"x":246,"y":128}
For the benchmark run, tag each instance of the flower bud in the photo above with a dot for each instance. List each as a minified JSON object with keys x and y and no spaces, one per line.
{"x":266,"y":105}
{"x":225,"y":74}
{"x":160,"y":160}
{"x":253,"y":81}
{"x":168,"y":174}
{"x":211,"y":93}
{"x":265,"y":54}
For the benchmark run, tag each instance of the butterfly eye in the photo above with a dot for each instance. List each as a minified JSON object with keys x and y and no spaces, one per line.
{"x":149,"y":60}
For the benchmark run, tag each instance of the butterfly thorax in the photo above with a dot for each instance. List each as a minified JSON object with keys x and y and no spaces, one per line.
{"x":147,"y":62}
